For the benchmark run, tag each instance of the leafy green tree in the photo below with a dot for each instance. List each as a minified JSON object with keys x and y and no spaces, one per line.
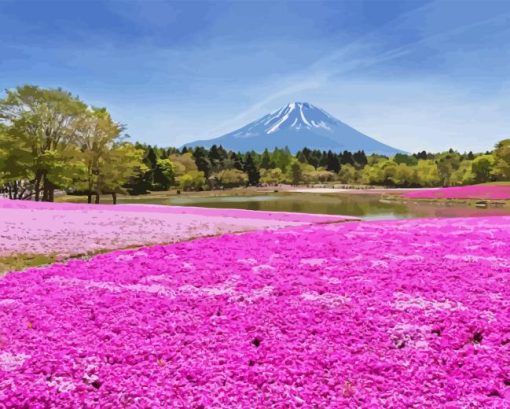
{"x":347,"y":174}
{"x":409,"y":160}
{"x":464,"y":174}
{"x":281,"y":158}
{"x":271,"y":176}
{"x":191,"y":180}
{"x":44,"y":122}
{"x":15,"y":166}
{"x":427,"y":173}
{"x":405,"y":175}
{"x":231,"y":178}
{"x":164,"y":174}
{"x":482,"y":168}
{"x":97,"y":135}
{"x":295,"y":172}
{"x":447,"y":163}
{"x":502,"y":160}
{"x":120,"y":164}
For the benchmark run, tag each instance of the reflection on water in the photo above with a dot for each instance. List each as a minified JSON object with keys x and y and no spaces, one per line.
{"x":367,"y":206}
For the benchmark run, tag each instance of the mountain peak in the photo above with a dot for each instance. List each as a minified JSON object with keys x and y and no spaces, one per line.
{"x":298,"y":125}
{"x":298,"y":116}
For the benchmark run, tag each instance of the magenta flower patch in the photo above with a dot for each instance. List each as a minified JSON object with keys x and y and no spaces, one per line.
{"x":483,"y":192}
{"x":400,"y":314}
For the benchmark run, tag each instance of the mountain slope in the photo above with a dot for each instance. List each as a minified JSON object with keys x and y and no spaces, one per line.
{"x":298,"y":125}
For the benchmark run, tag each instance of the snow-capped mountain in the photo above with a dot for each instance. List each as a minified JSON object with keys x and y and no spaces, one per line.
{"x":298,"y":125}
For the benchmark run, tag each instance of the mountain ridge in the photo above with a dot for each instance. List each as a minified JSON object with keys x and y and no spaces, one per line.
{"x":298,"y":125}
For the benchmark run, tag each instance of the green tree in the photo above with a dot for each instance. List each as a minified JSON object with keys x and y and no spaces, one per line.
{"x":502,"y":160}
{"x":464,"y":174}
{"x":164,"y":174}
{"x":348,"y":174}
{"x":15,"y":166}
{"x":482,"y":168}
{"x":427,"y":173}
{"x":119,"y":165}
{"x":231,"y":178}
{"x":44,"y":122}
{"x":251,"y":170}
{"x":271,"y":176}
{"x":191,"y":180}
{"x":447,"y":163}
{"x":97,"y":135}
{"x":295,"y":172}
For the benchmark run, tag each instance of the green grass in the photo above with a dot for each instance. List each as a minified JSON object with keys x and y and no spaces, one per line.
{"x":497,"y":183}
{"x":22,"y":261}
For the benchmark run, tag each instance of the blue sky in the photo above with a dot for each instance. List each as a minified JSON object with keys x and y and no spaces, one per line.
{"x":413,"y":74}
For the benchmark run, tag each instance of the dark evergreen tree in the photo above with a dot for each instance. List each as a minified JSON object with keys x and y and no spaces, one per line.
{"x":237,"y":161}
{"x":200,"y":155}
{"x":347,"y":158}
{"x":251,"y":170}
{"x":332,"y":162}
{"x":265,"y":161}
{"x":360,"y":159}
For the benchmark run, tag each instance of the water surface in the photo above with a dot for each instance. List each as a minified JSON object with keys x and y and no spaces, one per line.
{"x":367,"y":206}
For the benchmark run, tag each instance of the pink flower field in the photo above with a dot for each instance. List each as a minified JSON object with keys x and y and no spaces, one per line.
{"x":405,"y":314}
{"x":70,"y":229}
{"x":483,"y":192}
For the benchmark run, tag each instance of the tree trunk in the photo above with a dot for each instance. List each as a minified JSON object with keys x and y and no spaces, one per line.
{"x":46,"y":190}
{"x":114,"y":197}
{"x":37,"y":186}
{"x":97,"y":198}
{"x":89,"y":197}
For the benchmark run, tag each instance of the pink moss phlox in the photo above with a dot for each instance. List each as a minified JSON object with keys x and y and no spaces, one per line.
{"x":400,"y":314}
{"x":482,"y":192}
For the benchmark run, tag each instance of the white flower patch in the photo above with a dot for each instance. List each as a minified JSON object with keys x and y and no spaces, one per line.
{"x":471,"y":258}
{"x":11,"y":362}
{"x":124,"y":257}
{"x":258,"y":293}
{"x":62,"y":384}
{"x":328,"y":299}
{"x":406,"y":301}
{"x":489,"y":316}
{"x":406,"y":335}
{"x":412,"y":257}
{"x":247,"y":261}
{"x":313,"y":261}
{"x":6,"y":301}
{"x":379,"y":263}
{"x":262,"y":267}
{"x":114,"y":287}
{"x":156,"y":277}
{"x":226,"y":288}
{"x":331,"y":280}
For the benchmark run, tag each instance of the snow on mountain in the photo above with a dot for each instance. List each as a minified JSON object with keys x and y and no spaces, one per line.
{"x":298,"y":125}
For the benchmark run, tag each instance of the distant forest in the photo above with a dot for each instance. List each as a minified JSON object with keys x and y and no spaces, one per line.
{"x":52,"y":141}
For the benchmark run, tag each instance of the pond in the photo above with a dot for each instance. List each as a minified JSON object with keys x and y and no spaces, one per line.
{"x":367,"y":206}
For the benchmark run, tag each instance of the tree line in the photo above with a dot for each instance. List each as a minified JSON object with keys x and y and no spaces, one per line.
{"x":51,"y":140}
